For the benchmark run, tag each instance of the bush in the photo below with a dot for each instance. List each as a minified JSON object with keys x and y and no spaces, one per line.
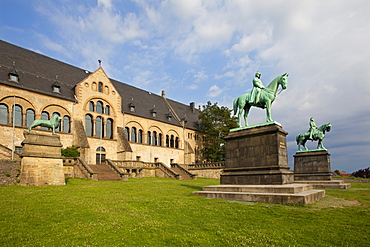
{"x":70,"y":152}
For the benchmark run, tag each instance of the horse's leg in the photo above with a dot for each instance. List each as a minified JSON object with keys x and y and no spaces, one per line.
{"x":268,"y":111}
{"x":304,"y":144}
{"x":247,"y":107}
{"x":240,"y":116}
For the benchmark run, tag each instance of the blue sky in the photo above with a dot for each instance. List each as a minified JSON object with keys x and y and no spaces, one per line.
{"x":199,"y":51}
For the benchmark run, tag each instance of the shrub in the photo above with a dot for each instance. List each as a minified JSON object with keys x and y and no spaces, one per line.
{"x":70,"y":152}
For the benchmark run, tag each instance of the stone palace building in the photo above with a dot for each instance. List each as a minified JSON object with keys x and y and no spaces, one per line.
{"x":104,"y":118}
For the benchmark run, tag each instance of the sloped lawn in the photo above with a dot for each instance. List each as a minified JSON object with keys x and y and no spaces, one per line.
{"x":163,"y":212}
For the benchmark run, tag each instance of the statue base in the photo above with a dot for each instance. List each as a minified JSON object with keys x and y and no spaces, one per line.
{"x":312,"y":166}
{"x":41,"y":162}
{"x":257,"y":156}
{"x":256,"y":169}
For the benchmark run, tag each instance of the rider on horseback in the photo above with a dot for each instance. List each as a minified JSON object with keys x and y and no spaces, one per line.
{"x":313,"y":128}
{"x":256,"y":91}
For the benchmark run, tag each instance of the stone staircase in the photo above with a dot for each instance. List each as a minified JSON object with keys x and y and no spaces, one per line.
{"x":184,"y":173}
{"x":105,"y":173}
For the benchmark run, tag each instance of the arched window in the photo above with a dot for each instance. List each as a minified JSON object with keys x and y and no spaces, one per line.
{"x":167,"y":141}
{"x":127,"y":133}
{"x":133,"y":134}
{"x":30,"y":117}
{"x":99,"y":128}
{"x":88,"y":125}
{"x":172,"y":141}
{"x":18,"y":119}
{"x":45,"y":116}
{"x":177,"y":142}
{"x":3,"y":114}
{"x":100,"y":155}
{"x":66,"y":124}
{"x":91,"y":106}
{"x":100,"y":86}
{"x":140,"y":136}
{"x":107,"y":109}
{"x":99,"y":107}
{"x":154,"y":138}
{"x":57,"y":129}
{"x":109,"y":129}
{"x":160,"y":139}
{"x":149,"y":138}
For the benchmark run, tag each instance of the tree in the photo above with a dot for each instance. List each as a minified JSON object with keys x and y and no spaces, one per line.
{"x":362,"y":173}
{"x":215,"y":123}
{"x":70,"y":152}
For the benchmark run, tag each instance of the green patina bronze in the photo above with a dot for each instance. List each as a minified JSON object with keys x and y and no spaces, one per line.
{"x":53,"y":123}
{"x":260,"y":96}
{"x":314,"y":134}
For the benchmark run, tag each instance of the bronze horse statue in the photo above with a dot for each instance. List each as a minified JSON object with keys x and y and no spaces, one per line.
{"x":268,"y":95}
{"x":53,"y":123}
{"x":318,"y":135}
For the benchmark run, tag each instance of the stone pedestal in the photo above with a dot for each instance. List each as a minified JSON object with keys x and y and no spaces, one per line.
{"x":256,"y":169}
{"x":313,"y":167}
{"x":257,"y":156}
{"x":41,"y":163}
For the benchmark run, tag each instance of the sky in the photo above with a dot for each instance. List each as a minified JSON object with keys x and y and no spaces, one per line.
{"x":202,"y":50}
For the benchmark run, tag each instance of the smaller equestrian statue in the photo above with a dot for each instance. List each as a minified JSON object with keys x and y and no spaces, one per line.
{"x":260,"y":96}
{"x":53,"y":123}
{"x":314,"y":134}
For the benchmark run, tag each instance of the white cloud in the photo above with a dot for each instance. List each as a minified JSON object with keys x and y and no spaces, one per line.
{"x":214,"y":91}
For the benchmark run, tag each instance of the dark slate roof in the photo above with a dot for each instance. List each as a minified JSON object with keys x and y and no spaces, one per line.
{"x":38,"y":73}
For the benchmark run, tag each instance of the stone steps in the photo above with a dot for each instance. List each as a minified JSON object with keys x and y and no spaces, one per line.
{"x":287,"y":194}
{"x":105,"y":173}
{"x":326,"y":184}
{"x":183,"y":175}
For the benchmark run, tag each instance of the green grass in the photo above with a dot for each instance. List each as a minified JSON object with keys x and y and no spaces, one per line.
{"x":163,"y":212}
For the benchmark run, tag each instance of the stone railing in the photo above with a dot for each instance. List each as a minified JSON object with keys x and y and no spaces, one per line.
{"x":83,"y":168}
{"x":123,"y":175}
{"x":164,"y":169}
{"x":212,"y":165}
{"x":184,"y":170}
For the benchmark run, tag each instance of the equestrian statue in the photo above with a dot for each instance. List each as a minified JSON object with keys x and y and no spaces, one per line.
{"x":53,"y":123}
{"x":314,"y":134}
{"x":260,"y":96}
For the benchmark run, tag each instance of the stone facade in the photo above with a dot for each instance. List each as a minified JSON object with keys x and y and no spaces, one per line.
{"x":102,"y":117}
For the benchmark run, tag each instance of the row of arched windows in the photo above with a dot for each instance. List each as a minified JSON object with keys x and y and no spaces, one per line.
{"x":25,"y":119}
{"x":98,"y":127}
{"x":99,"y":107}
{"x":152,"y":138}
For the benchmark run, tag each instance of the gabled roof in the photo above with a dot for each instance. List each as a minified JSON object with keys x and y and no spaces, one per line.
{"x":38,"y":72}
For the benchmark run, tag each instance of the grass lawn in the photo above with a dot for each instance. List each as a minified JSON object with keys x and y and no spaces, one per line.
{"x":163,"y":212}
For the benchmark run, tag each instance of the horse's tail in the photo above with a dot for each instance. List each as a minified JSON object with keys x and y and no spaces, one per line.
{"x":235,"y":104}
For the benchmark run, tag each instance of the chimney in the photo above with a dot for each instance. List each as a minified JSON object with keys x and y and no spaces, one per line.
{"x":163,"y":94}
{"x":192,"y":107}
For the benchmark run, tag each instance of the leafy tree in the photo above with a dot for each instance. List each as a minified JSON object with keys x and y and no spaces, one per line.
{"x":215,"y":123}
{"x":70,"y":152}
{"x":362,"y":173}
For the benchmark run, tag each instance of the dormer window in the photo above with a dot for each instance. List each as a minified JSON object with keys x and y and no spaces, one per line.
{"x":169,"y":117}
{"x":131,"y":106}
{"x":56,"y":86}
{"x":153,"y":112}
{"x":13,"y":75}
